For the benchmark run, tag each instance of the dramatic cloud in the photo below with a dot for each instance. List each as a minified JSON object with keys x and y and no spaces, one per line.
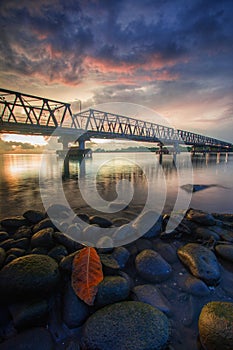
{"x":173,"y":56}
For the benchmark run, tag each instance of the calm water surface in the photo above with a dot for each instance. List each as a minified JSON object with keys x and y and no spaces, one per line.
{"x":141,"y":172}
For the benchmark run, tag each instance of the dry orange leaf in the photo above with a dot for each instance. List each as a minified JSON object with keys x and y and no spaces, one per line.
{"x":86,"y":274}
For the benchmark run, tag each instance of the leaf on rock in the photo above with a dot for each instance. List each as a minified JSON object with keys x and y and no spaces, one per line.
{"x":86,"y":274}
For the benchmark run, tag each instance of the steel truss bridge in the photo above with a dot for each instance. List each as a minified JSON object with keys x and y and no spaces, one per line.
{"x":27,"y":114}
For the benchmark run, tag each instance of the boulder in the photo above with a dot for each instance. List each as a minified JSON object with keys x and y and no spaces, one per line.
{"x":225,"y":251}
{"x":148,"y":224}
{"x":35,"y":338}
{"x":66,"y":241}
{"x":111,"y":290}
{"x":201,"y":262}
{"x":29,"y":314}
{"x":216,"y":326}
{"x":121,"y":255}
{"x":194,"y":286}
{"x":152,"y":267}
{"x":34,"y":216}
{"x":3,"y":236}
{"x":45,"y":223}
{"x":127,"y":325}
{"x":100,"y":221}
{"x":58,"y":253}
{"x":29,"y":276}
{"x":13,"y":222}
{"x":201,"y":217}
{"x":149,"y":294}
{"x":43,"y":238}
{"x":75,"y":311}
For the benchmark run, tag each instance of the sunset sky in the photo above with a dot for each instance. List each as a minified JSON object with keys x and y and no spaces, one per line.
{"x":174,"y":56}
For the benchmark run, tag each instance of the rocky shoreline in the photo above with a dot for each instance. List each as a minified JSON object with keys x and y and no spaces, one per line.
{"x":162,"y":291}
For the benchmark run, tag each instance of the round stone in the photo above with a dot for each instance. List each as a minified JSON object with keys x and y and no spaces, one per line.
{"x":225,"y":251}
{"x":127,"y":325}
{"x":29,"y":276}
{"x":201,"y":262}
{"x":43,"y":238}
{"x":216,"y":326}
{"x":111,"y":290}
{"x":152,"y":267}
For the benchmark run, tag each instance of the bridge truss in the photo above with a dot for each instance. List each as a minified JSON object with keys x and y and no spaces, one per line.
{"x":28,"y":114}
{"x":109,"y":125}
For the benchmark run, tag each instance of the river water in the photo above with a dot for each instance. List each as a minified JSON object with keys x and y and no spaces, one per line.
{"x":30,"y":181}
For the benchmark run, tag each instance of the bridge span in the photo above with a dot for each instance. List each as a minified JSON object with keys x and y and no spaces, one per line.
{"x":28,"y":114}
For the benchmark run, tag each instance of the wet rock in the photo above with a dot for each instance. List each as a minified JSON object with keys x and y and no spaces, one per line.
{"x":194,"y":286}
{"x":98,"y":220}
{"x":201,"y":217}
{"x":29,"y":314}
{"x":149,"y":294}
{"x":130,"y":325}
{"x":58,"y":253}
{"x":43,"y":238}
{"x":195,"y":188}
{"x":201,"y":262}
{"x":111,"y":290}
{"x":216,"y":326}
{"x":22,"y":243}
{"x":167,"y":251}
{"x":121,"y":255}
{"x":46,"y":223}
{"x":206,"y":234}
{"x":7,"y":244}
{"x":34,"y":216}
{"x":109,"y":263}
{"x":29,"y":276}
{"x":225,"y":251}
{"x":58,"y":211}
{"x":223,"y":217}
{"x":152,"y":267}
{"x":66,"y":241}
{"x":13,"y":222}
{"x":16,"y":251}
{"x":3,"y":236}
{"x":35,"y":338}
{"x":148,"y":224}
{"x":66,"y":263}
{"x":2,"y":257}
{"x":23,"y":232}
{"x":81,"y":216}
{"x":9,"y":258}
{"x":75,"y":311}
{"x":124,"y":234}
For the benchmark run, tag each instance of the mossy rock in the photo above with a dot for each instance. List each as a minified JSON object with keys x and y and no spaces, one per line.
{"x":29,"y":276}
{"x":216,"y":326}
{"x":127,"y":325}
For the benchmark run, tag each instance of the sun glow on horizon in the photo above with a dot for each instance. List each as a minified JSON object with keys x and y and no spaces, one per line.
{"x":33,"y":140}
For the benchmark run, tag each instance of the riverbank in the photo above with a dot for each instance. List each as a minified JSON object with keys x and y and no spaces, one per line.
{"x":159,"y":281}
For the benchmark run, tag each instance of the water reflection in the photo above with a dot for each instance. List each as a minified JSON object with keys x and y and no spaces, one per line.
{"x":19,"y":179}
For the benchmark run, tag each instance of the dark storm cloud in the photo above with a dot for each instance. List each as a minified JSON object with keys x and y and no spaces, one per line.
{"x":52,"y":39}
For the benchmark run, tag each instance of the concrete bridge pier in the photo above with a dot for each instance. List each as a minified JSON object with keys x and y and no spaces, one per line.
{"x":160,"y":153}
